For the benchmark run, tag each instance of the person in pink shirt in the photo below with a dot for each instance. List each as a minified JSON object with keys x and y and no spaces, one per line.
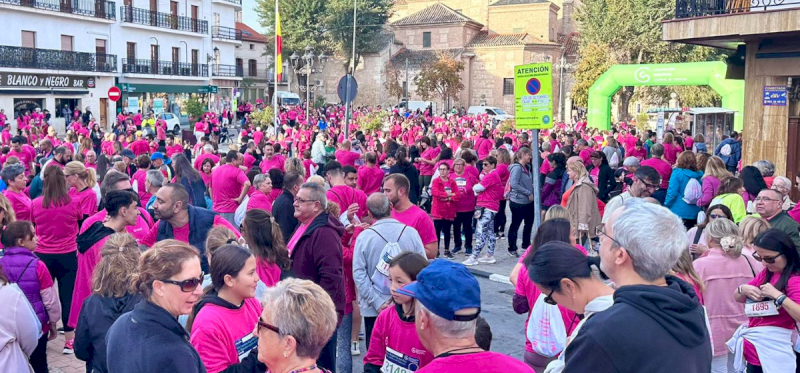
{"x":671,"y":148}
{"x":490,"y":192}
{"x":663,"y":167}
{"x":444,"y":191}
{"x":222,"y":321}
{"x":394,"y":336}
{"x":207,"y":154}
{"x":18,"y":150}
{"x":229,"y":186}
{"x":56,"y":218}
{"x":172,"y":148}
{"x":342,"y":194}
{"x":272,"y":160}
{"x":465,"y":206}
{"x":370,"y":176}
{"x":637,"y":151}
{"x":267,"y":244}
{"x":262,"y":197}
{"x":14,"y":177}
{"x":81,"y":181}
{"x":205,"y":171}
{"x":121,"y":206}
{"x":116,"y":180}
{"x":345,"y":155}
{"x":396,"y":187}
{"x":139,"y":146}
{"x":426,"y":161}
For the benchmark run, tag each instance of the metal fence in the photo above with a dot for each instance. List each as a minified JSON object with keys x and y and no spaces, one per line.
{"x":89,"y":8}
{"x":33,"y":58}
{"x":163,"y":20}
{"x":130,"y":66}
{"x":228,"y":33}
{"x":227,"y":70}
{"x":703,"y":8}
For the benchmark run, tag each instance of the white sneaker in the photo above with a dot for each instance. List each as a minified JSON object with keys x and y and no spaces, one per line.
{"x":354,"y":350}
{"x":471,"y":261}
{"x":488,"y":259}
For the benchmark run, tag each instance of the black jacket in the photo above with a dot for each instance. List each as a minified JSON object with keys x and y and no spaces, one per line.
{"x":97,"y":315}
{"x":283,"y":211}
{"x":96,"y":232}
{"x":150,"y":339}
{"x":648,"y":329}
{"x":605,"y":182}
{"x":412,"y":174}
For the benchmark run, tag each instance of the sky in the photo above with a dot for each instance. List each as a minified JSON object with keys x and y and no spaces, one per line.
{"x":249,"y":16}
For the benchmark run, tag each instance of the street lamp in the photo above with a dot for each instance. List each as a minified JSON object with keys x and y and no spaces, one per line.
{"x":308,"y":64}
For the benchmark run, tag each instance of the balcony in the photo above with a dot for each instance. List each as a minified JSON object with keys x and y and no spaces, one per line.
{"x":162,"y":20}
{"x":151,"y":67}
{"x":225,"y":33}
{"x":237,"y":3}
{"x":704,"y":8}
{"x":227,"y":70}
{"x":89,"y":8}
{"x":50,"y":59}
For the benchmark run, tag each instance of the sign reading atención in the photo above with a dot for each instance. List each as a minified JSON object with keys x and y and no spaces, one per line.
{"x":533,"y":88}
{"x":45,"y":81}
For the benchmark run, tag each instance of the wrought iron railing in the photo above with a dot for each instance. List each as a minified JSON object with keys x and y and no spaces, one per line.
{"x":227,"y":70}
{"x":221,"y":32}
{"x":51,"y":59}
{"x":91,"y":8}
{"x":704,"y":8}
{"x":152,"y":67}
{"x":237,"y":2}
{"x":163,"y":20}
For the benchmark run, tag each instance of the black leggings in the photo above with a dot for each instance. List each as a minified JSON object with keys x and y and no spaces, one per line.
{"x":520,"y":213}
{"x":500,"y":218}
{"x":463,"y":219}
{"x":63,"y":268}
{"x":369,"y":324}
{"x":38,"y":358}
{"x":443,"y":225}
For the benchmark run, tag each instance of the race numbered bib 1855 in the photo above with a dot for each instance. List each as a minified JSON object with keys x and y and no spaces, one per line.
{"x":760,"y":309}
{"x":396,"y":362}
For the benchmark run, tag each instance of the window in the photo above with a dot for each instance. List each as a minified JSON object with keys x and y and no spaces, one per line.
{"x":66,"y":43}
{"x":100,"y":51}
{"x":66,"y":106}
{"x":29,"y":39}
{"x":176,"y":55}
{"x":131,"y":54}
{"x":216,"y":19}
{"x":154,"y":52}
{"x":251,"y":67}
{"x":426,"y":39}
{"x":508,"y":86}
{"x":252,"y":47}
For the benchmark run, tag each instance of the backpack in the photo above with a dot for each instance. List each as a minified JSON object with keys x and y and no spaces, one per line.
{"x":380,"y":278}
{"x":614,"y":161}
{"x":726,"y":150}
{"x":692,"y":192}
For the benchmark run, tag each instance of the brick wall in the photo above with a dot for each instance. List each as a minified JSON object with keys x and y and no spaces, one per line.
{"x":539,"y":20}
{"x":442,"y":37}
{"x":475,"y":9}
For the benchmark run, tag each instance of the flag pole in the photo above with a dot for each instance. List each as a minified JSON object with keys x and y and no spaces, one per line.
{"x":275,"y":90}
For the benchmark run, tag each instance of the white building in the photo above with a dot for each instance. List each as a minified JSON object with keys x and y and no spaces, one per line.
{"x":257,"y":64}
{"x":226,"y":41}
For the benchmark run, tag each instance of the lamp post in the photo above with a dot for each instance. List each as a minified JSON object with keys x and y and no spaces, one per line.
{"x":306,"y":65}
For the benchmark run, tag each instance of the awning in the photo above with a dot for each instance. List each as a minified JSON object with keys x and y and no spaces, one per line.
{"x":44,"y":92}
{"x":128,"y":88}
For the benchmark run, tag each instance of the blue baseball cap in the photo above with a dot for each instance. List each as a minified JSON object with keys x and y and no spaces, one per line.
{"x":445,"y":287}
{"x":157,"y":155}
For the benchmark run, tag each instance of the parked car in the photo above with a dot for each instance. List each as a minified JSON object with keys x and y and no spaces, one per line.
{"x":173,"y":122}
{"x":497,"y":114}
{"x":415,"y":105}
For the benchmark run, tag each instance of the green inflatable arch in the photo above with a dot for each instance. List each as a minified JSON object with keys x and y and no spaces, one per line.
{"x":691,"y":73}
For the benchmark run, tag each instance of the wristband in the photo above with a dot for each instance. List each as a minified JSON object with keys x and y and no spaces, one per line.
{"x":739,"y":289}
{"x":779,"y":300}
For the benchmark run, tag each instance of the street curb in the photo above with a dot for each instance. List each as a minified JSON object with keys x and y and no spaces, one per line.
{"x":489,"y":275}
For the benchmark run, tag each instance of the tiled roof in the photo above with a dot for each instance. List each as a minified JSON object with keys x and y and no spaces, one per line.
{"x":249,"y":34}
{"x":435,"y":14}
{"x":572,"y":40}
{"x":517,"y":2}
{"x":483,"y":39}
{"x":417,"y":58}
{"x":382,"y":40}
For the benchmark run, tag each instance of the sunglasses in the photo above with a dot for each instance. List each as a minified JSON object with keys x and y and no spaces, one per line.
{"x":769,"y":260}
{"x":648,"y":185}
{"x":549,"y":298}
{"x":187,"y":286}
{"x":262,"y":324}
{"x":716,"y":216}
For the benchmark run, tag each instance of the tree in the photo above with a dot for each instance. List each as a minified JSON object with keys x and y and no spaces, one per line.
{"x":595,"y":60}
{"x":300,"y":25}
{"x":440,"y":79}
{"x":392,"y":81}
{"x":371,"y":18}
{"x":194,"y":108}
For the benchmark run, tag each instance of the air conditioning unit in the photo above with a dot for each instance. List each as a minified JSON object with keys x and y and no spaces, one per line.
{"x":320,"y":83}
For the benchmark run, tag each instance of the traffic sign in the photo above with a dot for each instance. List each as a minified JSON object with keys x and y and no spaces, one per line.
{"x":342,"y":88}
{"x":533,"y":88}
{"x":114,"y":94}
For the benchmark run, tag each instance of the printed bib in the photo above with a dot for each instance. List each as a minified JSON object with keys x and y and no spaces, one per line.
{"x":396,"y":362}
{"x":760,"y":309}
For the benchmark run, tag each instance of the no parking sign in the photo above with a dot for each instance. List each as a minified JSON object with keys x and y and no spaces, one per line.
{"x":533,"y":88}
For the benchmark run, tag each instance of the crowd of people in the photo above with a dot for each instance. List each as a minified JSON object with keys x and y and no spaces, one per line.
{"x":166,"y":253}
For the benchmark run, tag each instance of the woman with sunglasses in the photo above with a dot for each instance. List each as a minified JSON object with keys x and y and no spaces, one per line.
{"x":698,"y":243}
{"x":526,"y":294}
{"x":298,"y":319}
{"x":445,"y":193}
{"x":149,"y":338}
{"x":222,"y":329}
{"x":772,"y":305}
{"x":730,"y":194}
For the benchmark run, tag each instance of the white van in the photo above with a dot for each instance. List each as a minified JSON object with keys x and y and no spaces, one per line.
{"x":286,"y":98}
{"x":497,"y":114}
{"x":415,"y":105}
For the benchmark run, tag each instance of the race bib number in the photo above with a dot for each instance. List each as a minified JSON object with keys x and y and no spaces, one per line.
{"x":396,"y":362}
{"x":760,"y":309}
{"x":245,"y":345}
{"x":383,"y":264}
{"x":461,"y":182}
{"x":448,"y":190}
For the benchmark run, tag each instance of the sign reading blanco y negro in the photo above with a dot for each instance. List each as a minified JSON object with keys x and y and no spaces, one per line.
{"x":46,"y":81}
{"x":533,"y":91}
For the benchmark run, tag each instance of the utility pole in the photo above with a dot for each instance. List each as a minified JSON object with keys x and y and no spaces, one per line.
{"x":352,"y":71}
{"x":406,"y":88}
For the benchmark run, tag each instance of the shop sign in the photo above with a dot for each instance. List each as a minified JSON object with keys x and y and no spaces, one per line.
{"x":45,"y":81}
{"x":775,"y":95}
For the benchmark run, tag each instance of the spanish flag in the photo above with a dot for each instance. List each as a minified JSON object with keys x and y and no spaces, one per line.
{"x":278,"y":45}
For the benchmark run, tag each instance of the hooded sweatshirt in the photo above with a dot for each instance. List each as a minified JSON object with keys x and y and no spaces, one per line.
{"x":97,"y":315}
{"x":90,"y":244}
{"x":674,"y":200}
{"x":648,"y":329}
{"x":412,"y":174}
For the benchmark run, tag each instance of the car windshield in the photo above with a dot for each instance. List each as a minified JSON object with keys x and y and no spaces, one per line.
{"x":290,"y":101}
{"x":499,"y":111}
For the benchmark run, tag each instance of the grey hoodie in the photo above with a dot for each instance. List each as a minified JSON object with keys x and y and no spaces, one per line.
{"x":521,"y":181}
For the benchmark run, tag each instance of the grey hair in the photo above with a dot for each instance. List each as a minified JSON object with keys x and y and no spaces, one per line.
{"x":317,"y":193}
{"x":721,"y":228}
{"x":546,"y":146}
{"x":783,"y":180}
{"x":631,"y":162}
{"x":303,"y":310}
{"x":260,"y":178}
{"x":11,"y":171}
{"x":155,"y":178}
{"x":641,"y":229}
{"x":767,"y":168}
{"x":450,"y":329}
{"x":208,"y":148}
{"x":110,"y":181}
{"x":378,"y":205}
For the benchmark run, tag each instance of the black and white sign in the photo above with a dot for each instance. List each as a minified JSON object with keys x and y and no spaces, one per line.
{"x":45,"y":81}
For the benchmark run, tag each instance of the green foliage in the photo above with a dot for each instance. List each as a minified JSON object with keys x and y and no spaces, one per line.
{"x":595,"y":60}
{"x":643,"y":121}
{"x":371,"y":16}
{"x":392,"y":81}
{"x":440,"y":79}
{"x":194,"y":108}
{"x":300,"y":25}
{"x":374,"y":121}
{"x":263,"y":117}
{"x":319,"y":101}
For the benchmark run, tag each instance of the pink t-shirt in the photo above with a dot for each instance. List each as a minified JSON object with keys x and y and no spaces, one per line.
{"x":198,"y":163}
{"x":87,"y":261}
{"x":424,"y":168}
{"x":347,"y":157}
{"x":277,"y":161}
{"x":269,"y":274}
{"x":174,"y":149}
{"x":344,"y":196}
{"x":139,"y":177}
{"x":138,"y":231}
{"x":491,"y":196}
{"x":301,"y":229}
{"x":391,"y":332}
{"x":484,"y":362}
{"x":260,"y":200}
{"x":370,"y":179}
{"x":226,"y":185}
{"x":418,"y":219}
{"x":223,"y":336}
{"x":56,"y":226}
{"x":87,"y":199}
{"x":24,"y":158}
{"x":782,"y":320}
{"x":182,"y":233}
{"x":21,"y":204}
{"x":664,"y":169}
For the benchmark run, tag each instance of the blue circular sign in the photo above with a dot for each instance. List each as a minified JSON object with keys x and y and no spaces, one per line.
{"x":546,"y":119}
{"x":533,"y":86}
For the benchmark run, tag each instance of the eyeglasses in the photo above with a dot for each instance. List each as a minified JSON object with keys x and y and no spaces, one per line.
{"x":716,"y":216}
{"x":444,"y":169}
{"x":300,"y":200}
{"x":600,"y":230}
{"x":187,"y":286}
{"x":765,"y":199}
{"x":549,"y":298}
{"x":648,"y":185}
{"x":262,"y":324}
{"x":769,"y":260}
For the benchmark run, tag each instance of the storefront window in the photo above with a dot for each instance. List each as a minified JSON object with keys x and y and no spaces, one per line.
{"x":21,"y":105}
{"x":66,"y":106}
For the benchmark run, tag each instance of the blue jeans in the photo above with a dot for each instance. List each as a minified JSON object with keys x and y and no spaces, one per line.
{"x":344,"y":361}
{"x":485,"y":234}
